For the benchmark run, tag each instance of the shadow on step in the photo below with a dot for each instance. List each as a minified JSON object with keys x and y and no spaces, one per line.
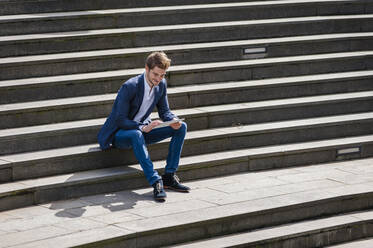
{"x":102,"y":204}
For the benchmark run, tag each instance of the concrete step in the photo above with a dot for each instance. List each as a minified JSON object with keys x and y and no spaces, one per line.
{"x":366,"y":243}
{"x":32,"y":89}
{"x":181,"y":14}
{"x":219,"y":206}
{"x":10,"y":7}
{"x":311,"y":233}
{"x":98,"y":106}
{"x":85,"y":157}
{"x":116,"y":59}
{"x":31,"y":44}
{"x":33,"y":138}
{"x":41,"y":190}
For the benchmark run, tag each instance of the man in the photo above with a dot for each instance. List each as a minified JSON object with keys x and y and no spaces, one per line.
{"x":129,"y":124}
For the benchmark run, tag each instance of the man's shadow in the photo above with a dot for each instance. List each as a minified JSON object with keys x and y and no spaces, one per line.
{"x":113,"y":201}
{"x":116,"y":201}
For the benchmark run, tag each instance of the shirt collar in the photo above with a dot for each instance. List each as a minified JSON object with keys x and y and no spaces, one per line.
{"x":146,"y":85}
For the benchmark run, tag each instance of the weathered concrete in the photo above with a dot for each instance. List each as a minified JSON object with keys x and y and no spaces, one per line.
{"x":201,"y":166}
{"x":116,"y":59}
{"x":302,"y":97}
{"x":65,"y":134}
{"x":153,"y":16}
{"x":117,"y":218}
{"x":19,"y":45}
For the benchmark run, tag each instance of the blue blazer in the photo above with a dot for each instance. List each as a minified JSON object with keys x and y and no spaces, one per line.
{"x":126,"y":106}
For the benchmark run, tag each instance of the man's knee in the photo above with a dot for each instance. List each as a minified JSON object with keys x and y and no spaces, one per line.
{"x":183,"y":128}
{"x":136,"y":135}
{"x":129,"y":135}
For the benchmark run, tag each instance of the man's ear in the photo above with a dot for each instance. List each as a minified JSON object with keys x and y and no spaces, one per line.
{"x":146,"y":68}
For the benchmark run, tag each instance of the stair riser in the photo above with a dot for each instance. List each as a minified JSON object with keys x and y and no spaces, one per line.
{"x":156,"y":18}
{"x":249,"y":140}
{"x":192,"y":147}
{"x":318,"y":238}
{"x":237,"y":95}
{"x":189,"y":56}
{"x":164,"y":37}
{"x":29,"y":6}
{"x":269,"y":71}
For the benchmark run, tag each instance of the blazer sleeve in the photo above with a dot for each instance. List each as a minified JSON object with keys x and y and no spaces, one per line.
{"x":123,"y":104}
{"x":163,"y":107}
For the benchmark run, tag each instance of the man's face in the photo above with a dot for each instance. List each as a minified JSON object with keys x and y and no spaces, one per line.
{"x":155,"y":75}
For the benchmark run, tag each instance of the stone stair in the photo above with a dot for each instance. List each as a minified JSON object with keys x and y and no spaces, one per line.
{"x":263,"y":85}
{"x":366,"y":243}
{"x":309,"y":233}
{"x":304,"y":206}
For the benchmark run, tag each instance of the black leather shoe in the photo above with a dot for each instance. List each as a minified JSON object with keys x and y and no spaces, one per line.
{"x":171,"y":181}
{"x":158,"y":192}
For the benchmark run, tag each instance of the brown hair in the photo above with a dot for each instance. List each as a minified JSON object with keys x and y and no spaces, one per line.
{"x":158,"y":59}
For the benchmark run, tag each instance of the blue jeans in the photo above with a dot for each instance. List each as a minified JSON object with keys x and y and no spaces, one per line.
{"x":138,"y":140}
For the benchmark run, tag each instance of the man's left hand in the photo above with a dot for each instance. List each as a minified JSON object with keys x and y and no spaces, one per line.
{"x":176,"y":125}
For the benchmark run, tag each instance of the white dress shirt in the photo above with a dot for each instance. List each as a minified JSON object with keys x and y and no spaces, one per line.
{"x":147,"y":101}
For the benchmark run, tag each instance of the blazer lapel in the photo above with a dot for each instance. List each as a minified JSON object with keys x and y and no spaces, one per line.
{"x":156,"y":98}
{"x":139,"y":93}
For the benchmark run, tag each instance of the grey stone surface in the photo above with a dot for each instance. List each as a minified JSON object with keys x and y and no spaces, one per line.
{"x":116,"y":59}
{"x":30,"y":89}
{"x":172,"y":208}
{"x":62,"y":110}
{"x":352,"y":189}
{"x":178,"y":14}
{"x":69,"y":109}
{"x":5,"y":173}
{"x":83,"y":237}
{"x":300,"y":101}
{"x":308,"y":185}
{"x":130,"y":209}
{"x":32,"y":222}
{"x":29,"y":212}
{"x":82,"y":132}
{"x":48,"y":189}
{"x":22,"y":238}
{"x":283,"y":236}
{"x":145,"y":36}
{"x":355,"y":244}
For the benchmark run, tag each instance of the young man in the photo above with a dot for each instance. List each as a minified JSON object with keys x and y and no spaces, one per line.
{"x":129,"y":124}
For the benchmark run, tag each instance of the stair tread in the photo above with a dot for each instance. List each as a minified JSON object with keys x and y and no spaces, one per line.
{"x":177,"y":68}
{"x":126,"y":51}
{"x":100,"y":214}
{"x":104,"y":174}
{"x":69,"y":14}
{"x":98,"y":32}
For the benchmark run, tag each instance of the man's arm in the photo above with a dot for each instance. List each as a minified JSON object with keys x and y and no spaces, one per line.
{"x":163,"y":107}
{"x":164,"y":111}
{"x":123,"y":103}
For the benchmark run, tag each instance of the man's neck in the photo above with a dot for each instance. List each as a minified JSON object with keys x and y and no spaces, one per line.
{"x":147,"y":81}
{"x":151,"y":85}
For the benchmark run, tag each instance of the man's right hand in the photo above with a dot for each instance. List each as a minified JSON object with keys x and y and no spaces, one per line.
{"x":150,"y":126}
